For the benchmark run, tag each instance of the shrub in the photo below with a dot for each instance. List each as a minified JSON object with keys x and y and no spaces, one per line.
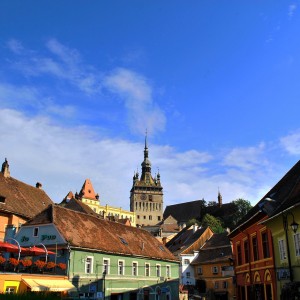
{"x":62,"y":266}
{"x":13,"y":261}
{"x":40,"y":264}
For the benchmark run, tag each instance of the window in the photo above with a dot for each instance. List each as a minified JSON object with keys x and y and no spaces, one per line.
{"x":35,"y":231}
{"x":186,"y":261}
{"x":10,"y":290}
{"x":158,"y":218}
{"x":138,"y":216}
{"x":246,"y":251}
{"x":89,"y":265}
{"x":2,"y":199}
{"x":106,"y":265}
{"x":282,"y":251}
{"x":161,"y":247}
{"x":216,"y":285}
{"x":297,"y":243}
{"x":144,"y":217}
{"x":199,"y":270}
{"x":188,"y":274}
{"x":147,"y":269}
{"x":134,"y":268}
{"x":157,"y":270}
{"x":265,"y":244}
{"x":239,"y":254}
{"x":120,"y":267}
{"x":215,"y":270}
{"x":225,"y":284}
{"x":254,"y":248}
{"x":168,"y":271}
{"x":150,"y":217}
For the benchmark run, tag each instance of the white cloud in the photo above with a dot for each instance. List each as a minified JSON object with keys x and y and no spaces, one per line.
{"x":291,"y":10}
{"x":65,"y":64}
{"x":291,"y":143}
{"x":61,"y":62}
{"x":143,"y":112}
{"x":246,"y":158}
{"x":62,"y":158}
{"x":15,"y":46}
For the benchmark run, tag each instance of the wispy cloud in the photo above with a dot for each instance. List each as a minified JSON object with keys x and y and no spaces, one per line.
{"x":61,"y":62}
{"x":246,"y":158}
{"x":66,"y":65}
{"x":291,"y":10}
{"x":291,"y":143}
{"x":136,"y":91}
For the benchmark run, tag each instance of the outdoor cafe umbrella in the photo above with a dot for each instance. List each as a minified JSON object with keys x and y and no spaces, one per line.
{"x":8,"y":247}
{"x":37,"y":251}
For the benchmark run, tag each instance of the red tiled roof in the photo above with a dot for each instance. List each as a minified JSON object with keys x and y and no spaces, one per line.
{"x":87,"y":190}
{"x":20,"y":198}
{"x":88,"y":232}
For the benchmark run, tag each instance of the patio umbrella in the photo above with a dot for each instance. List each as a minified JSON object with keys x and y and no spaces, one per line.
{"x":7,"y":247}
{"x":37,"y":251}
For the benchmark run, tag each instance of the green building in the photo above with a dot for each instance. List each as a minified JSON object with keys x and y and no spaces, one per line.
{"x":104,"y":259}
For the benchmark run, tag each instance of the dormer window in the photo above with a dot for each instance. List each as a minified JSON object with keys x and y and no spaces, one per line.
{"x":123,"y":241}
{"x":35,"y":231}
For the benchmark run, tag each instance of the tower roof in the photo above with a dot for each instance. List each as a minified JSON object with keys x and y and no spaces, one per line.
{"x":87,"y":190}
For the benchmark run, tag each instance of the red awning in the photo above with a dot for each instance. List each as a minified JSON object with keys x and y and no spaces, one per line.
{"x":7,"y":247}
{"x":37,"y":251}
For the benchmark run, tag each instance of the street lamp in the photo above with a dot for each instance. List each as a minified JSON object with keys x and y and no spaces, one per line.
{"x":104,"y":274}
{"x":294,"y":225}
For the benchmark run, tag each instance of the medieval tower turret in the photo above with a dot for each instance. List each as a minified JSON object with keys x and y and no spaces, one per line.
{"x":146,"y":194}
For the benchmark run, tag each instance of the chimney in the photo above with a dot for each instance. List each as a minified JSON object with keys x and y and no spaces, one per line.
{"x":38,"y":185}
{"x":164,"y":240}
{"x":5,"y":168}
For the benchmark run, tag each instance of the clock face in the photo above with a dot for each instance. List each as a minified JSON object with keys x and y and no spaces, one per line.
{"x":143,"y":197}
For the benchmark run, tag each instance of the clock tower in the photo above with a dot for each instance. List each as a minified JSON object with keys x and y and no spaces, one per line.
{"x":146,"y":194}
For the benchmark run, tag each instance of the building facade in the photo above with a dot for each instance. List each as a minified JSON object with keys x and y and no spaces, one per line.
{"x":88,"y":196}
{"x":214,"y":270}
{"x":18,"y":202}
{"x":146,"y":194}
{"x":104,"y":259}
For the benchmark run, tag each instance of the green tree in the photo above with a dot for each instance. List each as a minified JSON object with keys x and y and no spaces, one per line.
{"x":242,"y":208}
{"x":214,"y":223}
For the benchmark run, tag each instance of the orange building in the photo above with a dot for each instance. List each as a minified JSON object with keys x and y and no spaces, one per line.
{"x":214,"y":271}
{"x":19,"y":202}
{"x":253,"y":245}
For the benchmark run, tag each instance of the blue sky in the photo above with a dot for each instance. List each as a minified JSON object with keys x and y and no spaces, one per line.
{"x":216,"y":84}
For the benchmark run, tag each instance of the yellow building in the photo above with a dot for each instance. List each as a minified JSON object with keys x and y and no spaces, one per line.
{"x":19,"y":283}
{"x":213,"y":268}
{"x":284,"y":225}
{"x":88,"y":196}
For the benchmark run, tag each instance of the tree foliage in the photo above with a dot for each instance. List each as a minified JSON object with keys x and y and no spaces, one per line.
{"x":214,"y":223}
{"x":242,"y":208}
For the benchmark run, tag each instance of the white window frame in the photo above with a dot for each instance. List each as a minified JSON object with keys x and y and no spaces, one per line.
{"x":188,"y":274}
{"x":108,"y":265}
{"x":91,"y":264}
{"x":136,"y":267}
{"x":123,"y":267}
{"x":149,"y":270}
{"x":216,"y":285}
{"x":186,"y":261}
{"x":282,"y":249}
{"x":168,"y":271}
{"x":215,"y":269}
{"x":158,"y":270}
{"x":297,"y":243}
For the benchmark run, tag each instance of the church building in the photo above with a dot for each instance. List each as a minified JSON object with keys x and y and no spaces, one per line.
{"x":146,"y":195}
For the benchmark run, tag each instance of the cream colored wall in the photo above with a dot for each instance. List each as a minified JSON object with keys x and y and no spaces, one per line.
{"x":110,"y":210}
